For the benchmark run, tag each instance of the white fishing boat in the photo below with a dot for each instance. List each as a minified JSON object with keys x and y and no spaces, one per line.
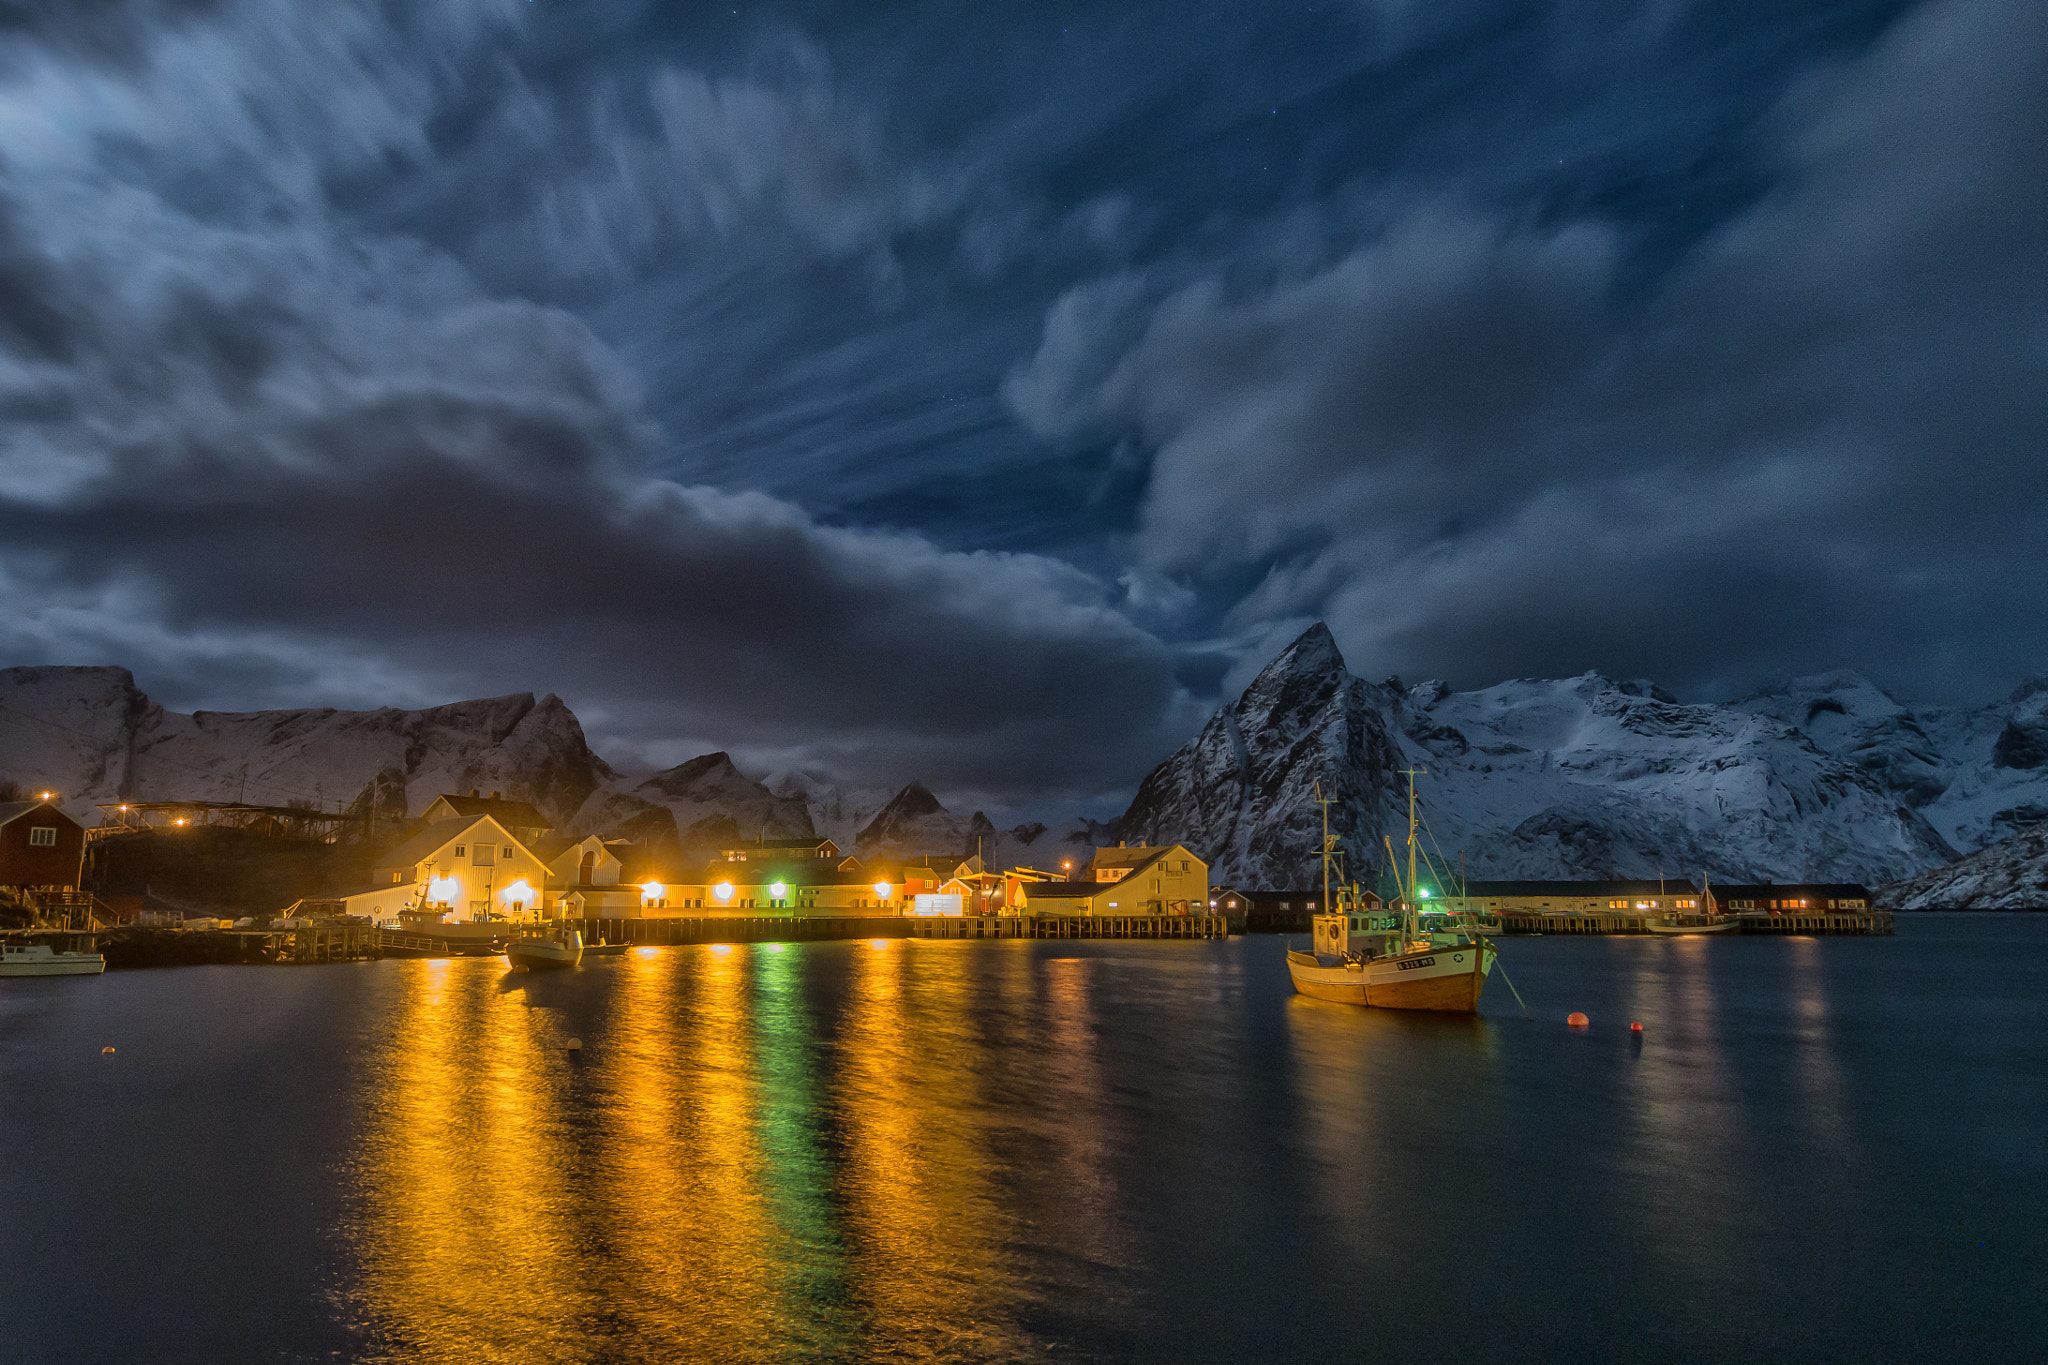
{"x":558,"y":946}
{"x":40,"y":959}
{"x":1386,"y":960}
{"x":1690,"y":924}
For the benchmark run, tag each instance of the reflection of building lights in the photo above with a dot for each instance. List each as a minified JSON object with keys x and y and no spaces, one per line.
{"x":778,"y":889}
{"x":773,"y":947}
{"x":721,"y":948}
{"x":878,"y":943}
{"x":883,"y":889}
{"x":723,"y":891}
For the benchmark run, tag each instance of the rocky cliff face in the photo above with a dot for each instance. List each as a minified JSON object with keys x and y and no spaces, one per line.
{"x":2010,"y":875}
{"x":1242,"y":794}
{"x":1580,"y":777}
{"x":694,"y":808}
{"x":1976,"y":774}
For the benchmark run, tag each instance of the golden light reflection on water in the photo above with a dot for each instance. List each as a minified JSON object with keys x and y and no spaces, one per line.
{"x":469,"y":1236}
{"x":687,"y":1186}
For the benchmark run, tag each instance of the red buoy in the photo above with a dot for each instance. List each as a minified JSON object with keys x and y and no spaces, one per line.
{"x":1636,"y":1027}
{"x":1577,"y":1020}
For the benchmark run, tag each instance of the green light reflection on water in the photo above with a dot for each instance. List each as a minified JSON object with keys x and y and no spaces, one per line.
{"x":798,"y":1181}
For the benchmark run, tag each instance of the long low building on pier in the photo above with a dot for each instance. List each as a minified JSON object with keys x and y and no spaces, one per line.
{"x":1624,"y":898}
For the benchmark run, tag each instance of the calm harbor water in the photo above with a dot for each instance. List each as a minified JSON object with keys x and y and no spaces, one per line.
{"x":1821,"y":1149}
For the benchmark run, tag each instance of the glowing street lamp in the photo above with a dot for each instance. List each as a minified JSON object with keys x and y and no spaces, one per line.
{"x":723,"y":891}
{"x":517,"y":895}
{"x":442,"y":890}
{"x":882,"y":889}
{"x":778,"y":889}
{"x":651,"y":890}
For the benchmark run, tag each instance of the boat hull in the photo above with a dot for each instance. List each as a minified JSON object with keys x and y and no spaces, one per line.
{"x":1722,"y":927}
{"x":544,"y":954}
{"x":1449,"y":979}
{"x":62,"y":964}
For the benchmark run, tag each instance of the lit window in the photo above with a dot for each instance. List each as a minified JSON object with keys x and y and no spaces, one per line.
{"x":42,"y":836}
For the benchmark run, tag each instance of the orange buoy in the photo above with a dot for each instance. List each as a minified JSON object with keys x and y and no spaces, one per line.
{"x":1636,"y":1027}
{"x":1577,"y":1020}
{"x":106,"y":1052}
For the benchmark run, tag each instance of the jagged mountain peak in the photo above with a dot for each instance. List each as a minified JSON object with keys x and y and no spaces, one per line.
{"x":1314,"y":652}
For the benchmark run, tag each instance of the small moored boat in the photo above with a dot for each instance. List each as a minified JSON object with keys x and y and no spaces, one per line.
{"x":559,"y":946}
{"x":40,"y":959}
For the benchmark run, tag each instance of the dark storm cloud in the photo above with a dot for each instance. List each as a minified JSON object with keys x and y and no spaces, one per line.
{"x":952,"y":391}
{"x":1817,"y":437}
{"x":332,"y":455}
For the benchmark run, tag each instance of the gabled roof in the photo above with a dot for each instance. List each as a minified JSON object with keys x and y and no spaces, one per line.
{"x":1131,"y":855}
{"x":549,"y":847}
{"x":780,"y":845}
{"x":511,"y":814}
{"x":10,"y":811}
{"x":436,"y":836}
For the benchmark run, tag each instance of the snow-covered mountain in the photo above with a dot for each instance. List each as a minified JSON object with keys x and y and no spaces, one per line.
{"x":1580,"y":777}
{"x":92,"y":735}
{"x":2010,"y":875}
{"x":1826,"y":777}
{"x":1976,"y":774}
{"x":877,"y":823}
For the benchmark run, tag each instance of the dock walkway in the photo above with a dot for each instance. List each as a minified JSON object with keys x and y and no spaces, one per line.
{"x":1829,"y":922}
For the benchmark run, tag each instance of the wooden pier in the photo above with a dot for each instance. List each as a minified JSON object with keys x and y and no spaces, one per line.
{"x":1828,"y":922}
{"x":1069,"y":926}
{"x":680,"y":929}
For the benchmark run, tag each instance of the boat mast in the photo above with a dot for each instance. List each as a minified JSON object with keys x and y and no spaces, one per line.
{"x":1409,"y":924}
{"x":1325,"y":802}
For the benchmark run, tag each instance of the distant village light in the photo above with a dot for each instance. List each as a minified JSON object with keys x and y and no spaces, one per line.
{"x":47,"y":795}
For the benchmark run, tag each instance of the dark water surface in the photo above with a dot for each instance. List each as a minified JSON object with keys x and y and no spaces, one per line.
{"x":1822,"y":1149}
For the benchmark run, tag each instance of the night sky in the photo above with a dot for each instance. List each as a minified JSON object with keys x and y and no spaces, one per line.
{"x":976,"y":392}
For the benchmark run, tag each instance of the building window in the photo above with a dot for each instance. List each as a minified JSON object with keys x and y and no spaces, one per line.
{"x":42,"y":836}
{"x":460,"y":850}
{"x":508,"y":853}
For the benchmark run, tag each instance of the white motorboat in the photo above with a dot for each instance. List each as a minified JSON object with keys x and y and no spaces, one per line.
{"x":559,"y":946}
{"x":1700,"y":925}
{"x":40,"y":959}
